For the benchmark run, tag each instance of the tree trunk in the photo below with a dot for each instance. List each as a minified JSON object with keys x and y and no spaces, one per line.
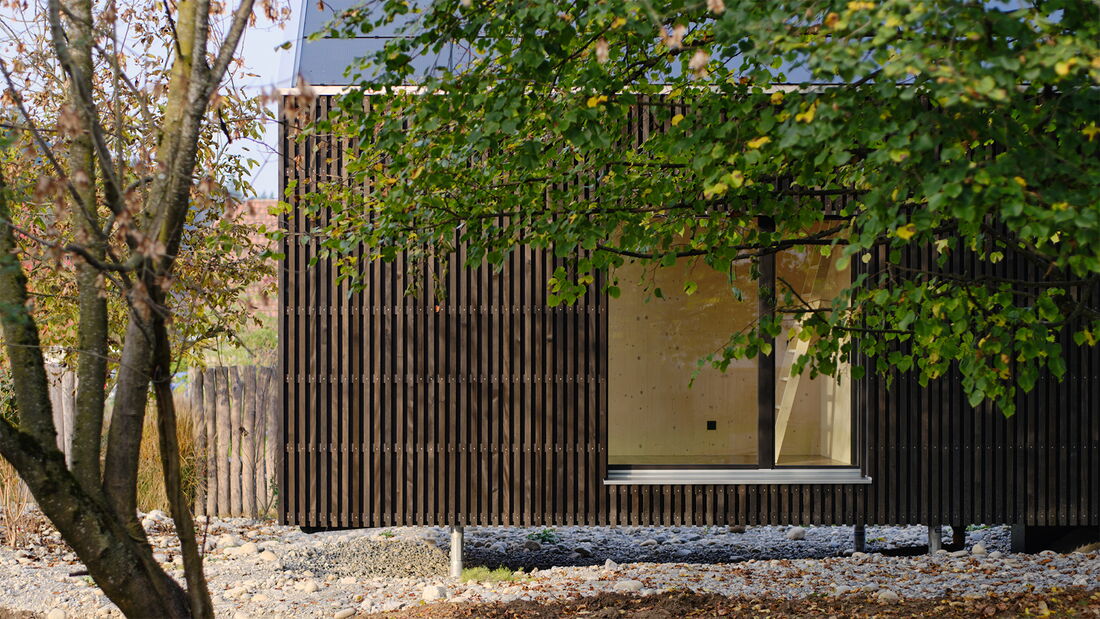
{"x":127,"y":417}
{"x":91,"y":359}
{"x":180,"y":504}
{"x":121,"y":563}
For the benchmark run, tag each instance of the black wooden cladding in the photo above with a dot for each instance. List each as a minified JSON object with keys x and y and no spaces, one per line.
{"x":490,"y":408}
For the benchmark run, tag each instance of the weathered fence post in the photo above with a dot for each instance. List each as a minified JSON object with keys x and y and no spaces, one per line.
{"x":224,"y":435}
{"x":209,"y":402}
{"x":247,"y":403}
{"x":198,"y":427}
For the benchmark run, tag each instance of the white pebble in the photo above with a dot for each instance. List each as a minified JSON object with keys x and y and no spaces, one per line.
{"x":344,"y":614}
{"x":796,"y":533}
{"x":628,"y":586}
{"x":434,"y":592}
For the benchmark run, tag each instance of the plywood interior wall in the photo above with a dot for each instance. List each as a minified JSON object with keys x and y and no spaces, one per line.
{"x":657,"y":414}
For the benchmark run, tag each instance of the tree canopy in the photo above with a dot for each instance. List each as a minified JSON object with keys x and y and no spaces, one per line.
{"x":961,"y":126}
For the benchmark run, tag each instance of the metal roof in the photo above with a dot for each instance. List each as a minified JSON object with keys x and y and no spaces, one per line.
{"x":323,"y":62}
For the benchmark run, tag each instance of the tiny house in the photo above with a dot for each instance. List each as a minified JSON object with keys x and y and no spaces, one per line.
{"x":496,"y":408}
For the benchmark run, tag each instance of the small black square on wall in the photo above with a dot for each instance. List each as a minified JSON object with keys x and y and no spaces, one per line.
{"x":712,"y":424}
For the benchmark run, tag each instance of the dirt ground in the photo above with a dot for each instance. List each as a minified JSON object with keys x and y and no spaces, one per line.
{"x":1069,"y":603}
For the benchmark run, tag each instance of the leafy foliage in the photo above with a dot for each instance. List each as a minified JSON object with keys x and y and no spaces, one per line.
{"x":969,"y":127}
{"x":221,"y":256}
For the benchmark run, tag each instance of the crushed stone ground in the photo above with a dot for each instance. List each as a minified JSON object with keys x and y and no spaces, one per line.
{"x":261,"y":569}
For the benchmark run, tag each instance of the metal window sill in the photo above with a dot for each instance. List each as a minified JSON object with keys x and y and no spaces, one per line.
{"x":681,"y":477}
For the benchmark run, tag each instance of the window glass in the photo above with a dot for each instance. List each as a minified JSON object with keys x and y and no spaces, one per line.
{"x":813,"y":418}
{"x":657,"y":415}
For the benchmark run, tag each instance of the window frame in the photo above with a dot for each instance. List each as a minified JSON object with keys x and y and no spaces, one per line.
{"x":766,"y":470}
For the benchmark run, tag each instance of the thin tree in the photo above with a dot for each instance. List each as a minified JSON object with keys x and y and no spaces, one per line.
{"x":127,"y":224}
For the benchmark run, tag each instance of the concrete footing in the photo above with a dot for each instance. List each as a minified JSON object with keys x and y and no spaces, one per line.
{"x":859,"y":538}
{"x":935,"y":538}
{"x":456,"y":551}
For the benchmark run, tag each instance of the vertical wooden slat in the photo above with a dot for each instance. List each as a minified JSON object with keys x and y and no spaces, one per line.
{"x":247,"y":435}
{"x":223,"y":436}
{"x":268,"y":442}
{"x":259,"y":440}
{"x":210,"y":431}
{"x":236,"y":414}
{"x":198,"y":419}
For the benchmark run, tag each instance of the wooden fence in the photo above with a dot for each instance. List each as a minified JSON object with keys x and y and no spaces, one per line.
{"x":236,"y":412}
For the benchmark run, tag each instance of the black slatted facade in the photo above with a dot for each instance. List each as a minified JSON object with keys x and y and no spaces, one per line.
{"x":491,"y":409}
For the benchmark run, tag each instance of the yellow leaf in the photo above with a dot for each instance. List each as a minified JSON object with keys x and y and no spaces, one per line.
{"x":416,"y":173}
{"x":595,"y":100}
{"x":777,"y":98}
{"x":1020,"y":181}
{"x":897,"y":156}
{"x":941,"y":245}
{"x":758,"y":142}
{"x":1057,"y":236}
{"x":1091,"y":130}
{"x":808,"y":115}
{"x":893,"y":21}
{"x":860,"y":6}
{"x":1062,"y":68}
{"x":906,"y":232}
{"x":716,"y":189}
{"x":618,"y":23}
{"x":677,"y":119}
{"x":735,"y":178}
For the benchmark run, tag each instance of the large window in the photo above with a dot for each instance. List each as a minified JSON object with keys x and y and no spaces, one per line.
{"x":660,"y":417}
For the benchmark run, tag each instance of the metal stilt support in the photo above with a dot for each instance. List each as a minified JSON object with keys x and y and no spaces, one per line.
{"x":935,"y":539}
{"x":456,"y":551}
{"x":859,"y":538}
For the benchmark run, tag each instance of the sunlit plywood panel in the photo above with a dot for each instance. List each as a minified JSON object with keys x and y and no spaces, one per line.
{"x":657,"y":414}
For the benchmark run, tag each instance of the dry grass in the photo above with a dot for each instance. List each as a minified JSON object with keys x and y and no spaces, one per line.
{"x":1088,"y":548}
{"x":20,"y":521}
{"x":484,"y":574}
{"x":150,"y":485}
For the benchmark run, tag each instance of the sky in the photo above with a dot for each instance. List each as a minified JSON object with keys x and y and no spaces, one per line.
{"x":261,"y":50}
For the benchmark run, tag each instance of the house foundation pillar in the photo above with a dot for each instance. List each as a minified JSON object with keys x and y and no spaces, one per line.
{"x":456,"y":551}
{"x":859,"y":538}
{"x":935,"y":539}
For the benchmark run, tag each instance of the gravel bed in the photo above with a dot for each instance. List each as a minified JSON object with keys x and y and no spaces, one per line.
{"x":363,"y":557}
{"x":260,"y":569}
